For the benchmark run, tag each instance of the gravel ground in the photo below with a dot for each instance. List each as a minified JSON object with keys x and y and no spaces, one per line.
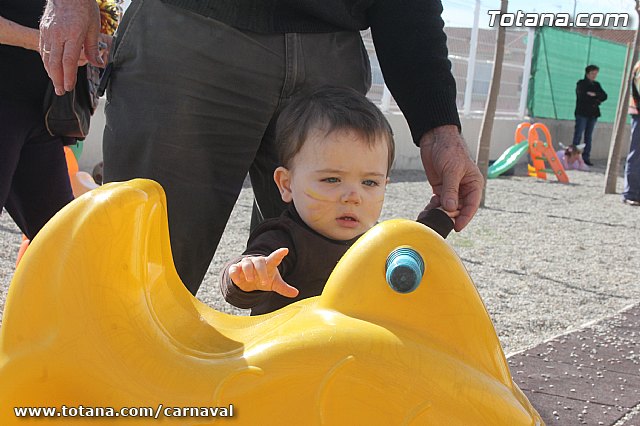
{"x":545,"y":257}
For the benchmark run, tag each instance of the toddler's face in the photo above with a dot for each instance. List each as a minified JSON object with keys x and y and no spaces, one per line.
{"x":337,"y":183}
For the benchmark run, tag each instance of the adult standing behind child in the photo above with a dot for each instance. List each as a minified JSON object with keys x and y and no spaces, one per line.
{"x":196,"y":86}
{"x":337,"y":149}
{"x":589,"y":96}
{"x":631,"y":193}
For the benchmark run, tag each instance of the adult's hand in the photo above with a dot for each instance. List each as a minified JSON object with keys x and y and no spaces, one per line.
{"x":66,"y":27}
{"x":104,"y":47}
{"x":456,"y":180}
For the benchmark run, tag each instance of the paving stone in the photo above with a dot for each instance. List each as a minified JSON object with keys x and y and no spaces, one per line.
{"x":590,"y":376}
{"x":562,"y":411}
{"x":587,"y":384}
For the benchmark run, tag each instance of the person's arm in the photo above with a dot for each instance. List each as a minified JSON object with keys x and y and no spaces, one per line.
{"x":249,"y":278}
{"x":438,"y":220}
{"x":246,"y":280}
{"x":14,"y":34}
{"x":455,"y":179}
{"x":66,"y":27}
{"x":601,"y":94}
{"x":582,"y":91}
{"x":233,"y":294}
{"x":411,"y":47}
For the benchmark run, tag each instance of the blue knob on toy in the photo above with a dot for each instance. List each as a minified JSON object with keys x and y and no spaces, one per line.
{"x":404,"y":269}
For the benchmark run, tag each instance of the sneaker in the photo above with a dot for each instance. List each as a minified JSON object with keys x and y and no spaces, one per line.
{"x":631,"y":202}
{"x":588,"y":162}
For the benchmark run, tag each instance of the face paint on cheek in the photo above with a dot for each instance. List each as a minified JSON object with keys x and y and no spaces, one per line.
{"x":316,"y":196}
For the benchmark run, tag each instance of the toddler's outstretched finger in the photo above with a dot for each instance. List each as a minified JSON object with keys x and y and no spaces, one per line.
{"x":275,"y":258}
{"x":281,"y":287}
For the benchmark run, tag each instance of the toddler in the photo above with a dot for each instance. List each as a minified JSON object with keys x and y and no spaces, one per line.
{"x":336,"y":152}
{"x":571,"y":158}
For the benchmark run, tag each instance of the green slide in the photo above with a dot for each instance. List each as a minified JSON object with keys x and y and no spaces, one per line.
{"x":508,"y":159}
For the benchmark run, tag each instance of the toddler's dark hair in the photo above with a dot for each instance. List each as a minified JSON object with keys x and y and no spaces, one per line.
{"x":330,"y":109}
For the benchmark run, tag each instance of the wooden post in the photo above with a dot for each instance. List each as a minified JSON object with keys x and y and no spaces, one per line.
{"x":484,"y":142}
{"x":621,"y":109}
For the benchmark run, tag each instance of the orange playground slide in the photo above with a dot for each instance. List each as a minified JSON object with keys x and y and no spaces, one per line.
{"x":541,"y":151}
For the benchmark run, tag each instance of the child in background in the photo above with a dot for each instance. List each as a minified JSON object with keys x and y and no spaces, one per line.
{"x":336,"y":152}
{"x":571,"y":158}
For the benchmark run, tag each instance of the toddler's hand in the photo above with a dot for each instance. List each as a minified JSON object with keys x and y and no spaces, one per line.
{"x":261,"y":273}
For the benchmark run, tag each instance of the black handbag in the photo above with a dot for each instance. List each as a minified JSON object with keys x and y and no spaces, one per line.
{"x":70,"y":114}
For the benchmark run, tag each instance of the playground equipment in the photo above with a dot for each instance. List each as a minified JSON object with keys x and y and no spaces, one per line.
{"x":119,"y":329}
{"x":81,"y":182}
{"x":541,"y":150}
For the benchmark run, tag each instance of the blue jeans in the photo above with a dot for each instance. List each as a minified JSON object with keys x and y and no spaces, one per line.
{"x":584,"y":125}
{"x":632,"y":167}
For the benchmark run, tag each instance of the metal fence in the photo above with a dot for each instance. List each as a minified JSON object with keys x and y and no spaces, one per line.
{"x":465,"y":46}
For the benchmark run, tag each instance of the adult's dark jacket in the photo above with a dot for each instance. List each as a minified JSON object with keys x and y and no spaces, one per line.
{"x":410,"y":42}
{"x":586,"y":105}
{"x":22,"y":75}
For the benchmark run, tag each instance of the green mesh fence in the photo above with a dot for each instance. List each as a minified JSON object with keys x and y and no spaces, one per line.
{"x":558,"y":62}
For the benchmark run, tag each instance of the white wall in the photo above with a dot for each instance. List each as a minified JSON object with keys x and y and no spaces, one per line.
{"x":92,"y":147}
{"x":407,"y":154}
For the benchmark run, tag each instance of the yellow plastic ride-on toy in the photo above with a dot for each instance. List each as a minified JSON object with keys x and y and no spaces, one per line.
{"x":97,"y":317}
